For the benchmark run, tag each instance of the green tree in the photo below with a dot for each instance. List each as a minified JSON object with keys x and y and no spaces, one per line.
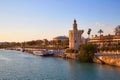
{"x":87,"y":52}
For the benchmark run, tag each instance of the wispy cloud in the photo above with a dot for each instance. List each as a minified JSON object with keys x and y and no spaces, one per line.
{"x":100,"y":24}
{"x":109,"y":31}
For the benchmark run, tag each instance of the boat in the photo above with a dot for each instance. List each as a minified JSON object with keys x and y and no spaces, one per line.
{"x":43,"y":53}
{"x":39,"y":53}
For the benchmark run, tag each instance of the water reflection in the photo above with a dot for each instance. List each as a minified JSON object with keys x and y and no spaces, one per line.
{"x":93,"y":71}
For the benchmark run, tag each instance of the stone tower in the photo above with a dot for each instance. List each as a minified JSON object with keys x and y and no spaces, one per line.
{"x":75,"y":37}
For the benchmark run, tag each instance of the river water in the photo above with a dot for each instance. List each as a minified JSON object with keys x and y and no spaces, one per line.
{"x":16,"y":65}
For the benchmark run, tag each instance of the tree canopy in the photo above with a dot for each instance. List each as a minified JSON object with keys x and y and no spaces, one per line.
{"x":117,"y":30}
{"x":87,"y":52}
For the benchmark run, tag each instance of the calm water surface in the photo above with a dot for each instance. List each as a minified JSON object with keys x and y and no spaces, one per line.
{"x":16,"y":65}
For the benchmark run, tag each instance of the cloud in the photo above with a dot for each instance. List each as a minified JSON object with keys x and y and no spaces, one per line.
{"x":99,"y":24}
{"x":109,"y":31}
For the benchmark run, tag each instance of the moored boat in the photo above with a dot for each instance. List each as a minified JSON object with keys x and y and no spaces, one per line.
{"x":43,"y":53}
{"x":39,"y":53}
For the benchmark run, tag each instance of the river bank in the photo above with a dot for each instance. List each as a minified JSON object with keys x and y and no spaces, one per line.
{"x":110,"y":59}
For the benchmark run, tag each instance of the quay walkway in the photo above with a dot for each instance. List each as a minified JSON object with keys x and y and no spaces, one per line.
{"x":112,"y":55}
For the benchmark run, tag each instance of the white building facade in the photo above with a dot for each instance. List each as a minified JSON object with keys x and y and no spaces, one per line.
{"x":75,"y":36}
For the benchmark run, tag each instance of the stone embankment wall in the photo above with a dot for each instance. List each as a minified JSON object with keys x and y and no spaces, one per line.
{"x":111,"y":60}
{"x":71,"y":55}
{"x":67,"y":55}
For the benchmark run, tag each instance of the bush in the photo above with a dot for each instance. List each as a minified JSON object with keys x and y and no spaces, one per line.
{"x":87,"y":52}
{"x":71,"y":51}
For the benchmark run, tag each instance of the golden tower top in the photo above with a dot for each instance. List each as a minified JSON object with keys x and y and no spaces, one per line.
{"x":74,"y":25}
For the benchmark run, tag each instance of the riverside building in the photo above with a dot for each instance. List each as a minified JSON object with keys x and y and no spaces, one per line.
{"x":60,"y":38}
{"x":107,"y":44}
{"x":75,"y":36}
{"x":106,"y":41}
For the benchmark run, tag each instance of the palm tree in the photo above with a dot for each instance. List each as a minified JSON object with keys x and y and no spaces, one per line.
{"x":89,"y":31}
{"x":82,"y":31}
{"x":100,"y":31}
{"x":117,"y":30}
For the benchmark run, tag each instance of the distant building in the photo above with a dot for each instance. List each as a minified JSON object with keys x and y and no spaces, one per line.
{"x":84,"y":40}
{"x":106,"y":41}
{"x":61,"y":38}
{"x":75,"y":36}
{"x":60,"y":42}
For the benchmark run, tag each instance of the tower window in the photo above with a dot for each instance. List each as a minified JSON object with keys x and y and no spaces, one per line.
{"x":75,"y":41}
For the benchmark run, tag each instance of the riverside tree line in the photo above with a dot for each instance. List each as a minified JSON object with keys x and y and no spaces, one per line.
{"x":36,"y":44}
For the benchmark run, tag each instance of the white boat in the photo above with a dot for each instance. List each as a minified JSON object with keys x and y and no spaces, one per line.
{"x":43,"y":53}
{"x":39,"y":53}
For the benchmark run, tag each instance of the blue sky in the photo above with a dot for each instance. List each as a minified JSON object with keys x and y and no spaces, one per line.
{"x":24,"y":20}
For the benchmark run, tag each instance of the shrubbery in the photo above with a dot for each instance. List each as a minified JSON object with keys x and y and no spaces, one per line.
{"x":87,"y":52}
{"x":71,"y":51}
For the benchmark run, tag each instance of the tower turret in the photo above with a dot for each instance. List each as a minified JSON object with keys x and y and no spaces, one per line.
{"x":74,"y":25}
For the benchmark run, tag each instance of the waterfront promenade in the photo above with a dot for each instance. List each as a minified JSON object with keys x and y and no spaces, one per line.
{"x":111,"y":59}
{"x":111,"y":55}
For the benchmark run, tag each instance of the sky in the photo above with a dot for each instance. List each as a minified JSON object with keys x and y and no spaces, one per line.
{"x":25,"y":20}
